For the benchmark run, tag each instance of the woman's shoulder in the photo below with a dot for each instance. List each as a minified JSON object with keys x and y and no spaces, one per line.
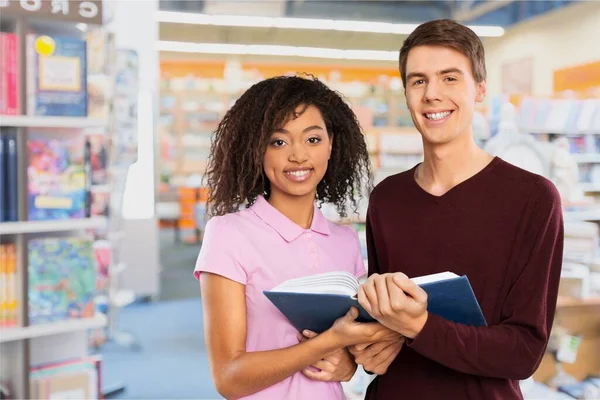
{"x":230,"y":222}
{"x":342,"y":230}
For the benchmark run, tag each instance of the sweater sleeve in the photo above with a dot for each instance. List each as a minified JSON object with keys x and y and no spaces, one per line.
{"x":512,"y":349}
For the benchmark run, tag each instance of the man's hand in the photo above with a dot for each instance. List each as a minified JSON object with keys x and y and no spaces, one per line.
{"x":336,"y":367}
{"x":377,"y":357}
{"x":396,"y":302}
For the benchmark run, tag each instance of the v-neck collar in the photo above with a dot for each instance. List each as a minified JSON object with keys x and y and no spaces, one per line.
{"x":456,"y":187}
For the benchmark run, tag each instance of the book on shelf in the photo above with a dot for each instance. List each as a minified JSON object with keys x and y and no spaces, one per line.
{"x":9,"y":74}
{"x":56,"y":76}
{"x":56,"y":180}
{"x":68,"y":379}
{"x":314,"y":302}
{"x":8,"y":175}
{"x":8,"y":285}
{"x":62,"y":279}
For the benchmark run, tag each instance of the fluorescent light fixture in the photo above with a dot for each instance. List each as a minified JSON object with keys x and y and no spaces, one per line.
{"x":272,"y":50}
{"x":304,"y":23}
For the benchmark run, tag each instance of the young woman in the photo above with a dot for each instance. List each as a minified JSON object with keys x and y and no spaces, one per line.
{"x":286,"y":146}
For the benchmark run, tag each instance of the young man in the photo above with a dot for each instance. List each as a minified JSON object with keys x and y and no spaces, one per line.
{"x":465,"y":211}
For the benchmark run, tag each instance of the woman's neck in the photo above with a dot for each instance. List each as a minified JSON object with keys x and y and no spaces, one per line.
{"x":299,"y":209}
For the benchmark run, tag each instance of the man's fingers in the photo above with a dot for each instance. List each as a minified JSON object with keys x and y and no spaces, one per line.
{"x":389,"y":354}
{"x":371,"y":294}
{"x":380,"y":363}
{"x":410,"y":288}
{"x":398,"y":299}
{"x":359,"y":347}
{"x":372,"y":351}
{"x":383,"y":297}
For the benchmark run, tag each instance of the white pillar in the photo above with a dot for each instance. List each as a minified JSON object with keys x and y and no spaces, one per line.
{"x":135,"y":28}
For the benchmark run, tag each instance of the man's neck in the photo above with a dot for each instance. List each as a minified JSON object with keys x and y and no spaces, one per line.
{"x":445,"y":166}
{"x":299,"y":209}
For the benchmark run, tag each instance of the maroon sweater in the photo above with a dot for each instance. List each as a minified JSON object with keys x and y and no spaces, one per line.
{"x":502,"y":228}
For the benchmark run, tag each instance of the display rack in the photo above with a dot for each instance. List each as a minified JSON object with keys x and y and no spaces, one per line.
{"x":26,"y":345}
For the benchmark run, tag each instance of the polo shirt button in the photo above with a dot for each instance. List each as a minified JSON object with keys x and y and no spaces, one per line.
{"x":312,"y":250}
{"x":307,"y":235}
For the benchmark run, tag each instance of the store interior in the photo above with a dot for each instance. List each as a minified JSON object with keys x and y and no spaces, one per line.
{"x":105,"y":132}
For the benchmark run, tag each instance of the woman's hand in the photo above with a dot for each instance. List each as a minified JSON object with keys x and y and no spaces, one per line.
{"x":346,"y":331}
{"x":336,"y":367}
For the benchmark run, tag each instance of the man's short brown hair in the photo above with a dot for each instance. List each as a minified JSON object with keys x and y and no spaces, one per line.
{"x":446,"y":33}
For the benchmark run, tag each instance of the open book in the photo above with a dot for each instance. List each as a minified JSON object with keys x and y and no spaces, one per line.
{"x":314,"y":302}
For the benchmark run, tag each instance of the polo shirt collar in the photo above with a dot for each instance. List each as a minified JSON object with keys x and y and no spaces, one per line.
{"x":288,"y":229}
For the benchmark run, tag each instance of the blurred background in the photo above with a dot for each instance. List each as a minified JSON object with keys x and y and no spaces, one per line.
{"x":107,"y":109}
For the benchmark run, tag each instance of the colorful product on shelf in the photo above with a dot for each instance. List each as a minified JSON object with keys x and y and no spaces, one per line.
{"x":8,"y":285}
{"x":9,"y":74}
{"x":62,"y":279}
{"x":56,"y":186}
{"x":56,"y":76}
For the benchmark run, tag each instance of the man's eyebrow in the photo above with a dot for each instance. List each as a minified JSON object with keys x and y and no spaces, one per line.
{"x":415,"y":75}
{"x":442,"y":72}
{"x":451,"y":71}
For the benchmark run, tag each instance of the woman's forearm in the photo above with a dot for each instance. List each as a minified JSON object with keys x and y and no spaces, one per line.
{"x":250,"y":372}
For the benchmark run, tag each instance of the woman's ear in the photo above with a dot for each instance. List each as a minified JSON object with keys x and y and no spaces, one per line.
{"x":330,"y":146}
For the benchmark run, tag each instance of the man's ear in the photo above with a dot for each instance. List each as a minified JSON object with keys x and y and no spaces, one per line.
{"x":481,"y":91}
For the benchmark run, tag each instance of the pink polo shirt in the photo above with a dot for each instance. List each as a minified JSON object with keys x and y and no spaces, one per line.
{"x":260,"y":248}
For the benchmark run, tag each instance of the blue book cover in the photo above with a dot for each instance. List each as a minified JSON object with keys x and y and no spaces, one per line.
{"x":11,"y":178}
{"x":315,"y":302}
{"x":3,"y":187}
{"x":56,"y":76}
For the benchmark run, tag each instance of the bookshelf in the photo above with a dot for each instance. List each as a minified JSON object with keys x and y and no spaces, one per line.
{"x":24,"y":121}
{"x":22,"y":227}
{"x":50,"y":329}
{"x":56,"y":132}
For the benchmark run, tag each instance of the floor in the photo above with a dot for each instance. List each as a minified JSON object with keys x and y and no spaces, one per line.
{"x":172,"y":362}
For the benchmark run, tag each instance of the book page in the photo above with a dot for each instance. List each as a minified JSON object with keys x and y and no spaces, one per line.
{"x":342,"y":283}
{"x":419,"y":280}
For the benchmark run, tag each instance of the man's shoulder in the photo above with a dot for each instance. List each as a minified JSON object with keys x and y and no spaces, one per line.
{"x":540,"y":187}
{"x":394,"y":185}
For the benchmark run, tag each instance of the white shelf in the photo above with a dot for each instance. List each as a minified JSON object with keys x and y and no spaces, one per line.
{"x":7,"y":228}
{"x":585,"y":215}
{"x":50,"y":122}
{"x":590,"y":187}
{"x":53,"y":328}
{"x":587,"y":158}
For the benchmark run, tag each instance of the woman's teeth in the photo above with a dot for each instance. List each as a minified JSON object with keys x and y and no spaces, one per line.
{"x":298,"y":174}
{"x":440,"y":115}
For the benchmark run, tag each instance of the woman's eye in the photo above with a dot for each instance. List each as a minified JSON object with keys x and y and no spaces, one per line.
{"x":314,"y":140}
{"x":277,"y":143}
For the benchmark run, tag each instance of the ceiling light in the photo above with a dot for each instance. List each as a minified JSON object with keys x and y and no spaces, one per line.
{"x":304,"y":23}
{"x":272,"y":50}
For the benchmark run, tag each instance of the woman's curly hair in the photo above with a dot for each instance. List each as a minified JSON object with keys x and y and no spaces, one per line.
{"x":235,"y":172}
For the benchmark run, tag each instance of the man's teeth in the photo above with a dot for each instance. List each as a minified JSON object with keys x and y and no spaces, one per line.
{"x":436,"y":116}
{"x":298,"y":173}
